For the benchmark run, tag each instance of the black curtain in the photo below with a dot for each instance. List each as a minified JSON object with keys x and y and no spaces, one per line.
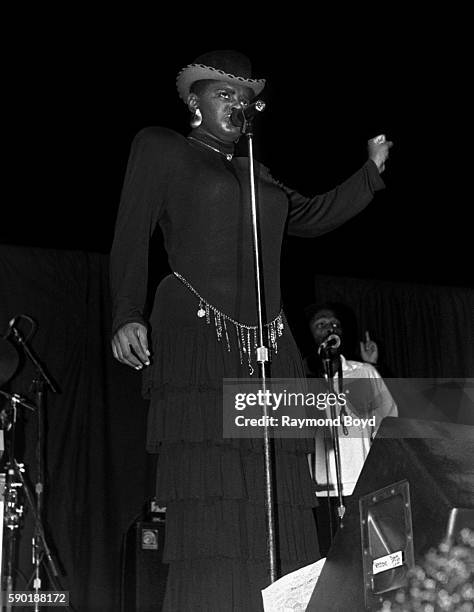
{"x":425,"y":336}
{"x":422,"y":330}
{"x":98,"y":474}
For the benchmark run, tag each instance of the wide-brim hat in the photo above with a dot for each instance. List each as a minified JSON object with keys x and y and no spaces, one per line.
{"x":224,"y":65}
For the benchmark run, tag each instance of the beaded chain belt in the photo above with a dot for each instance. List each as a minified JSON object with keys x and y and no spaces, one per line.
{"x":246,"y":334}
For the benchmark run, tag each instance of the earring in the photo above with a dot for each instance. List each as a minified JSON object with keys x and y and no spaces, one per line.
{"x":196,"y":119}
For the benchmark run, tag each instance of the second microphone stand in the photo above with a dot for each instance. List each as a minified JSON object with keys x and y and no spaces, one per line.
{"x":327,"y":356}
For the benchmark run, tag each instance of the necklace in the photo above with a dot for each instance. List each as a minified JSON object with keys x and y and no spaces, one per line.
{"x":228,"y":156}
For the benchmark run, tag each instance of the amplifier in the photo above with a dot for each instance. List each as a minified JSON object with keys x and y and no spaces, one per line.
{"x":143,"y":572}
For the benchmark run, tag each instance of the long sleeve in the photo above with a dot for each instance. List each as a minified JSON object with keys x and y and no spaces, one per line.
{"x":313,"y":216}
{"x":141,"y":203}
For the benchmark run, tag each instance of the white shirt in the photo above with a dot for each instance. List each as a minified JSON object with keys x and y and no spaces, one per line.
{"x":369,"y":400}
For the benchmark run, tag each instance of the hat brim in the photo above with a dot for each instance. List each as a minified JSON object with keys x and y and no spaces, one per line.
{"x":198,"y":72}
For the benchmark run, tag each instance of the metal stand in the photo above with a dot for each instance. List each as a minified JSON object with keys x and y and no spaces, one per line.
{"x":13,"y":510}
{"x":326,"y":358}
{"x":15,"y":481}
{"x":262,"y":357}
{"x":13,"y":514}
{"x":40,"y":546}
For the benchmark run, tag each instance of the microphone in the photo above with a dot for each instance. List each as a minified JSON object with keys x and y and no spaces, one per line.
{"x":13,"y":330}
{"x":11,"y":327}
{"x":239,"y":116}
{"x":333,"y":341}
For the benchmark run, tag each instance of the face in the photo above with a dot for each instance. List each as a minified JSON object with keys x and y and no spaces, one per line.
{"x":324,"y":323}
{"x":216,"y":103}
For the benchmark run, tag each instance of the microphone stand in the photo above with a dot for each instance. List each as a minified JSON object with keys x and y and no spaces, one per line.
{"x":262,"y":356}
{"x":40,"y":381}
{"x":326,"y":358}
{"x":13,"y":507}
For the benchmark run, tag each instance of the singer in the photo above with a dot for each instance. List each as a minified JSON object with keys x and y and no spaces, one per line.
{"x":201,"y":329}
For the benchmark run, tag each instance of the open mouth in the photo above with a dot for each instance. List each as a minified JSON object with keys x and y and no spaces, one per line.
{"x":228,"y":120}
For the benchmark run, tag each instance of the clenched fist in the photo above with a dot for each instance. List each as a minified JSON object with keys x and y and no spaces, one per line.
{"x":378,"y":151}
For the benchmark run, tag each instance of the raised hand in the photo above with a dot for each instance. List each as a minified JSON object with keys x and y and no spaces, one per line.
{"x":378,"y":151}
{"x":369,"y":350}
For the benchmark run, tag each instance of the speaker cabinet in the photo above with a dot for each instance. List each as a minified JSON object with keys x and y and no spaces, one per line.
{"x":143,"y":572}
{"x":436,"y":460}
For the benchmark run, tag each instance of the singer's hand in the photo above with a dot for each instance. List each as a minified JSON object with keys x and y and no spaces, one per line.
{"x":369,"y":350}
{"x":378,"y":151}
{"x":130,"y":345}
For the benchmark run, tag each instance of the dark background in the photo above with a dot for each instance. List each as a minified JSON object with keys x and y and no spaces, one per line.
{"x":81,"y":95}
{"x":80,"y":89}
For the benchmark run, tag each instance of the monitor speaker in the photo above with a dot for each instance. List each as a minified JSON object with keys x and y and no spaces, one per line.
{"x":416,"y":481}
{"x":386,"y":535}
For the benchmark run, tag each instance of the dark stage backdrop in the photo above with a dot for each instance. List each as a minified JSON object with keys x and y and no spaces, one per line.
{"x":97,"y":468}
{"x":421,"y":330}
{"x":98,"y":473}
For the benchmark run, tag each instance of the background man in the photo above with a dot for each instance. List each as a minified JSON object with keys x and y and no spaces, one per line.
{"x":364,"y":400}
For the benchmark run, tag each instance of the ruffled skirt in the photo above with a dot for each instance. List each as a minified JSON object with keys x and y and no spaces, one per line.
{"x":213,"y":487}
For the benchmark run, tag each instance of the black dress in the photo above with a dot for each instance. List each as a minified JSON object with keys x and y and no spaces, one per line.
{"x":213,"y":487}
